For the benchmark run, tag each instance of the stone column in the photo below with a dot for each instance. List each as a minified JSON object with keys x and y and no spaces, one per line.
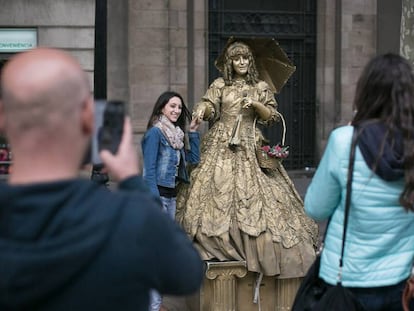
{"x":346,"y":41}
{"x":224,"y":284}
{"x":157,"y":54}
{"x":117,"y":74}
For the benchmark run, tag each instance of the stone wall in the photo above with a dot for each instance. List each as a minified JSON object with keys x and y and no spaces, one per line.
{"x":117,"y":50}
{"x":325,"y":70}
{"x":358,"y":46}
{"x":157,"y":47}
{"x":149,"y":47}
{"x":347,"y":33}
{"x":61,"y":24}
{"x":200,"y":50}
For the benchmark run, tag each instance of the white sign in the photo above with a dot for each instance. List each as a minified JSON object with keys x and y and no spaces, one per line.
{"x":17,"y":39}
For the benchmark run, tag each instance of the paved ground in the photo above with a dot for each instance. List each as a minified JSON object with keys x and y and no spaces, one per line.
{"x":175,"y":304}
{"x":301,"y":179}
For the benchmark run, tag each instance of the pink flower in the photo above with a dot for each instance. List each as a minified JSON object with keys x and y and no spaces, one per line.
{"x":266,"y":148}
{"x":276,"y":151}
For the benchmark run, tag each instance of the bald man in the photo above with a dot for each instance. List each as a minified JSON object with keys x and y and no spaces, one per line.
{"x":68,"y":243}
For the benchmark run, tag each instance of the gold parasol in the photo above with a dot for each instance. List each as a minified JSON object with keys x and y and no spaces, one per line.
{"x":272,"y":63}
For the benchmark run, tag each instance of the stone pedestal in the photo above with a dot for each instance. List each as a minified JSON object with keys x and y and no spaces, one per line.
{"x":274,"y":294}
{"x":219,"y":291}
{"x":228,"y":286}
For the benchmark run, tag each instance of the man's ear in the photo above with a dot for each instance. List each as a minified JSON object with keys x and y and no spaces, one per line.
{"x":87,"y":116}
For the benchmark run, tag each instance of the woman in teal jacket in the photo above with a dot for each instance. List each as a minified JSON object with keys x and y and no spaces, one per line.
{"x":379,"y":247}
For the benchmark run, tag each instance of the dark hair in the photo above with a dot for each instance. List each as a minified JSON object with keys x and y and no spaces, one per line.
{"x":234,"y":50}
{"x":385,"y":92}
{"x":159,"y":105}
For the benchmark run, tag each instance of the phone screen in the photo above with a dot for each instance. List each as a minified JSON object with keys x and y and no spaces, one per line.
{"x":109,"y":124}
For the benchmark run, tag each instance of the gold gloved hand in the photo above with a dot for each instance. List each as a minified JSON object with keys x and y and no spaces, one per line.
{"x":202,"y":111}
{"x":263,"y":112}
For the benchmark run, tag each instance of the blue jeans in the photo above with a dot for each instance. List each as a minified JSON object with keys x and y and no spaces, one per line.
{"x":387,"y":298}
{"x":169,"y":205}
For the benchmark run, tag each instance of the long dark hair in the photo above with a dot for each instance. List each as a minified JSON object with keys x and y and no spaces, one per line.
{"x":385,"y":92}
{"x":159,"y":105}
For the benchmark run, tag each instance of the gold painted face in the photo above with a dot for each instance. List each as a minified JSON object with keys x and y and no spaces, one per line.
{"x":239,"y":55}
{"x":241,"y":64}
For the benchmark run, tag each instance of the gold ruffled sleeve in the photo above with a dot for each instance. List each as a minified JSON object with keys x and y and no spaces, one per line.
{"x":212,"y":100}
{"x":267,"y":98}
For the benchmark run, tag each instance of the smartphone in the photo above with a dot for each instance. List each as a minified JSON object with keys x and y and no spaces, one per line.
{"x":109,"y":125}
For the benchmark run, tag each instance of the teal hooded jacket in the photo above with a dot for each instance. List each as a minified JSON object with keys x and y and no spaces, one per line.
{"x":379,"y":248}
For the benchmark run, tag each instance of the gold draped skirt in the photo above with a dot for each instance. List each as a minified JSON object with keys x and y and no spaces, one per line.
{"x":232,"y":210}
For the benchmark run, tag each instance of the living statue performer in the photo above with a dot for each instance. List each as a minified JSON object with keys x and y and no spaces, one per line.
{"x":232,"y":209}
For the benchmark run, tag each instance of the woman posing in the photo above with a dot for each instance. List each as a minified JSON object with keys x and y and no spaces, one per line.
{"x":166,"y":153}
{"x":379,"y":247}
{"x":232,"y":209}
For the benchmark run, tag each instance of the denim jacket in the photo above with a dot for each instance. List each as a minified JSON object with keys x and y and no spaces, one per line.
{"x":160,"y":159}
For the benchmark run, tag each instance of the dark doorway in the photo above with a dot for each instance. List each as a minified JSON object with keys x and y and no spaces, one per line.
{"x":293,"y":24}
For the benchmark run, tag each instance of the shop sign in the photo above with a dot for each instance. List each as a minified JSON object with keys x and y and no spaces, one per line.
{"x":17,"y":39}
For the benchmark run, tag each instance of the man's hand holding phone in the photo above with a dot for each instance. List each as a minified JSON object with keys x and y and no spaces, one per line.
{"x":124,"y":163}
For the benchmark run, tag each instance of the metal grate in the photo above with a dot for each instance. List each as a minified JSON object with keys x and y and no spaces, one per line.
{"x":293,"y":25}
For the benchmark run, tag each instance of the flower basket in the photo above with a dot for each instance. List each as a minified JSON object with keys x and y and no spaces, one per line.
{"x":269,"y":156}
{"x":265,"y":161}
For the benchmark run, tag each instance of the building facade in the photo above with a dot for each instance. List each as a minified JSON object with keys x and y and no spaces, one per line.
{"x":159,"y":45}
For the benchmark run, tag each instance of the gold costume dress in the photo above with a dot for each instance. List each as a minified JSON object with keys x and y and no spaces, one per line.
{"x":232,"y":209}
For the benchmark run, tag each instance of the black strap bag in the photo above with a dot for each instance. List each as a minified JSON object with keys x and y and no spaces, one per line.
{"x":314,"y":294}
{"x":408,"y":294}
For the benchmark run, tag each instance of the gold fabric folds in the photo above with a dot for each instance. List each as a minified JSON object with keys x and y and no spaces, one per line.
{"x":232,"y":209}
